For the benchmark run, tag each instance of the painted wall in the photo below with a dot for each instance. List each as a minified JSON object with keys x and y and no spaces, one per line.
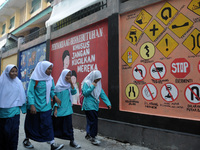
{"x":28,"y":60}
{"x":159,"y":60}
{"x":82,"y":51}
{"x":8,"y":60}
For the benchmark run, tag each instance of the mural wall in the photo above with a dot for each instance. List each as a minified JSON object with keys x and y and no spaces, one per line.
{"x":160,"y":60}
{"x":82,"y":51}
{"x":28,"y":60}
{"x":8,"y":60}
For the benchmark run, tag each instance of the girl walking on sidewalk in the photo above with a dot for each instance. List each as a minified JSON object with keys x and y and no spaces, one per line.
{"x":12,"y":99}
{"x":92,"y":90}
{"x":62,"y":116}
{"x":38,"y":122}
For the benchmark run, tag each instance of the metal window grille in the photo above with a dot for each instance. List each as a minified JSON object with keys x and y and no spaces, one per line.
{"x":122,"y":1}
{"x":35,"y":35}
{"x":8,"y":47}
{"x":79,"y":15}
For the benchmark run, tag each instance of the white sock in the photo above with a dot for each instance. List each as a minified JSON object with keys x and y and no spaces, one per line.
{"x":52,"y":142}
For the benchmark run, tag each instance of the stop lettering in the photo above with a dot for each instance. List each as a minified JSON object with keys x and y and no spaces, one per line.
{"x":180,"y":67}
{"x":199,"y":66}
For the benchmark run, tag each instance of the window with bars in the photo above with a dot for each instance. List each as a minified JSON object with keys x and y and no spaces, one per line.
{"x":35,"y":5}
{"x":122,"y":1}
{"x":3,"y":29}
{"x":79,"y":15}
{"x":12,"y":22}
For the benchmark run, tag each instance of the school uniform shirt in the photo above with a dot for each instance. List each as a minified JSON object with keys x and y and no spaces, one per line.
{"x":37,"y":95}
{"x":65,"y":108}
{"x":11,"y":112}
{"x":89,"y":102}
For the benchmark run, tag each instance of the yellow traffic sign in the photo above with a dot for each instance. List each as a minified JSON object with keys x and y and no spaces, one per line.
{"x":166,"y":13}
{"x":154,"y":30}
{"x":192,"y":42}
{"x":180,"y":25}
{"x":147,"y":50}
{"x":194,"y":6}
{"x":143,"y":19}
{"x":133,"y":35}
{"x":132,"y":91}
{"x":129,"y":56}
{"x":166,"y":45}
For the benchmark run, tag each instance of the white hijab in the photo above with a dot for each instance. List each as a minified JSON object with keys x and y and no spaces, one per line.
{"x":40,"y":75}
{"x":89,"y":79}
{"x":62,"y":84}
{"x":12,"y":93}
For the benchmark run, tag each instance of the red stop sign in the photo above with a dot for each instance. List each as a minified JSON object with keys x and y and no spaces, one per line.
{"x":199,"y":66}
{"x":180,"y":67}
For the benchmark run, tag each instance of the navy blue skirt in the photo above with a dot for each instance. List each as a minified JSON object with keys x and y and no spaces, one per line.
{"x":92,"y":122}
{"x":9,"y":133}
{"x":63,"y":128}
{"x":39,"y":127}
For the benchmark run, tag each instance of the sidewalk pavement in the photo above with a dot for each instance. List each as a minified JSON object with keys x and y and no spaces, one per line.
{"x":79,"y":135}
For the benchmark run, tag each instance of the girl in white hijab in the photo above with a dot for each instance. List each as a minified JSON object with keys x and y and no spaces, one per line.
{"x":62,"y":116}
{"x":89,"y":80}
{"x":12,"y":98}
{"x":92,"y":90}
{"x":38,"y":122}
{"x":39,"y":74}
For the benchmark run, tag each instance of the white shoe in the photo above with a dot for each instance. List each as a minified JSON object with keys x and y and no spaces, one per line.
{"x":55,"y":146}
{"x":95,"y":141}
{"x":74,"y":144}
{"x":27,"y":144}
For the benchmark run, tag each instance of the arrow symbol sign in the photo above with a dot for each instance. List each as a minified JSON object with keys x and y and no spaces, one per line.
{"x":169,"y":11}
{"x":147,"y":48}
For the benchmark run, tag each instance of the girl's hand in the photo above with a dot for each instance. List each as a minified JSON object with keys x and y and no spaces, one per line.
{"x":95,"y":84}
{"x":57,"y":100}
{"x":69,"y":80}
{"x":55,"y":112}
{"x":33,"y":109}
{"x":109,"y":107}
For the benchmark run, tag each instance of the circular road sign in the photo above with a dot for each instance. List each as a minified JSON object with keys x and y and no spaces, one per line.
{"x":139,"y":72}
{"x":147,"y":50}
{"x":132,"y":91}
{"x":149,"y":92}
{"x":192,"y":93}
{"x":158,"y":70}
{"x":169,"y":92}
